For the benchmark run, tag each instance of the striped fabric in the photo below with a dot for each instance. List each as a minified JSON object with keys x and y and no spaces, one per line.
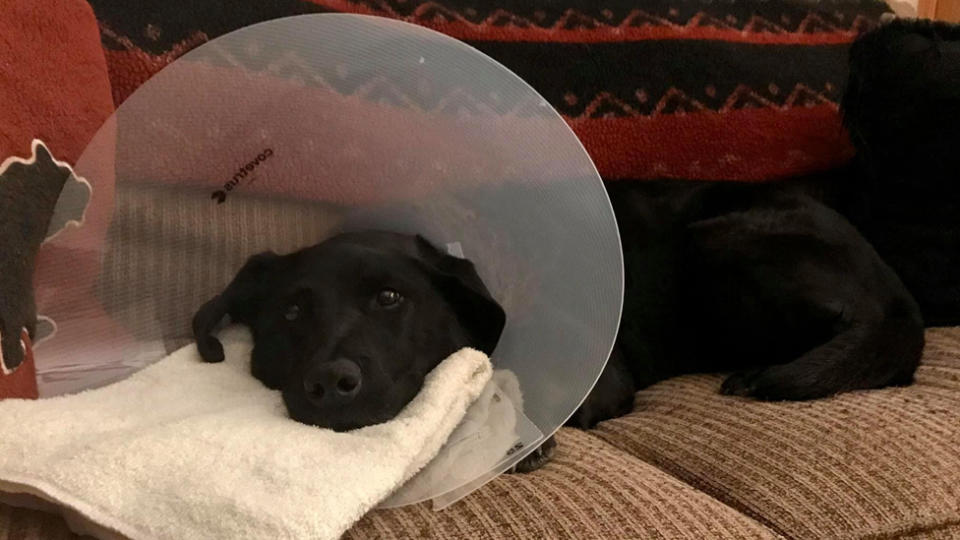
{"x":589,"y":490}
{"x":702,"y":89}
{"x":689,"y":463}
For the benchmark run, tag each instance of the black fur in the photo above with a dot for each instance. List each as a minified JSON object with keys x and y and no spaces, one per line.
{"x":759,"y":279}
{"x":769,"y":282}
{"x":339,"y":322}
{"x":902,"y":109}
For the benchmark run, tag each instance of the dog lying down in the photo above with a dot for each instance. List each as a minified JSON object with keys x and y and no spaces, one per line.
{"x":179,"y":450}
{"x":761,"y":280}
{"x":349,"y":328}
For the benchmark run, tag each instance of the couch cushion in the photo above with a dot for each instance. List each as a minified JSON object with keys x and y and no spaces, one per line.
{"x":589,"y":490}
{"x":883,"y":463}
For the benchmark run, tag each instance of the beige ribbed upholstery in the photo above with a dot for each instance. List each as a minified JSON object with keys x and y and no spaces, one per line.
{"x":866,"y":464}
{"x":589,"y":490}
{"x":689,"y":463}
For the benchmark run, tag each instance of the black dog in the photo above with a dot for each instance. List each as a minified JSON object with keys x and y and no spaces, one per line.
{"x":762,"y":280}
{"x":349,"y":328}
{"x":768,"y":282}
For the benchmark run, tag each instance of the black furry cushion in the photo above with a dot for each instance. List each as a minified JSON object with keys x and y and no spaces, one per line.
{"x":902,"y":109}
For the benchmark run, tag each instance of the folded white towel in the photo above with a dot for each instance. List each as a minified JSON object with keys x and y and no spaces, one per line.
{"x":187,"y":450}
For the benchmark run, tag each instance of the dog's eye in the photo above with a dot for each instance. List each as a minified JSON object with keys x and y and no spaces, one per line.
{"x":389,"y":298}
{"x":292,"y":313}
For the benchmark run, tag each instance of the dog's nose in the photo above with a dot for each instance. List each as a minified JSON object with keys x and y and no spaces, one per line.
{"x":334,"y":381}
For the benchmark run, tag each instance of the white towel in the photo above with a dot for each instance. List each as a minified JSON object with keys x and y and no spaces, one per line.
{"x":479,"y":447}
{"x":186,"y":450}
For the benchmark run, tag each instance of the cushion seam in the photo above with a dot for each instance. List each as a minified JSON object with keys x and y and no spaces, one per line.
{"x":941,"y":522}
{"x":758,"y":520}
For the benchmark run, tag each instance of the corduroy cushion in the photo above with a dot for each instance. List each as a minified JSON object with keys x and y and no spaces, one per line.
{"x":589,"y":490}
{"x":689,"y":463}
{"x":874,"y":464}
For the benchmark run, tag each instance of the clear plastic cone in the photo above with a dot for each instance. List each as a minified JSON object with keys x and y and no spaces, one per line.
{"x":281,"y":134}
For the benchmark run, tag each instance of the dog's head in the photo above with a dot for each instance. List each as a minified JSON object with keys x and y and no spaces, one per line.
{"x":349,"y":328}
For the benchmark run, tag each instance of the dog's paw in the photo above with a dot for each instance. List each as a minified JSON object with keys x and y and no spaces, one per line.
{"x":536,"y":459}
{"x":776,"y":383}
{"x":739,"y":383}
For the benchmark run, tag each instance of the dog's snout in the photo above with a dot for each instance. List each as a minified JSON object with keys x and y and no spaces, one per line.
{"x":335,"y":381}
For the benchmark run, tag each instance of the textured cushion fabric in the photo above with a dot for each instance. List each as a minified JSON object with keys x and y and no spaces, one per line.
{"x":589,"y":490}
{"x":880,"y":463}
{"x":690,"y":463}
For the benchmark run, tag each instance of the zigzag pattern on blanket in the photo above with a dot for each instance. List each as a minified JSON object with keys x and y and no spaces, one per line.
{"x":591,"y":22}
{"x":700,"y":71}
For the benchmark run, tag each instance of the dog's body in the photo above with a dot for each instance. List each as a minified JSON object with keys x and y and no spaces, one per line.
{"x":759,"y":279}
{"x":768,"y":281}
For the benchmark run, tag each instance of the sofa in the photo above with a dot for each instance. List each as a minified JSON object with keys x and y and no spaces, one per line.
{"x":745,"y":90}
{"x":690,"y":463}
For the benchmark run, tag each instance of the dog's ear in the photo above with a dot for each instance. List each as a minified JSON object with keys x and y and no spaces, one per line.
{"x":457,"y":279}
{"x":241,"y":300}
